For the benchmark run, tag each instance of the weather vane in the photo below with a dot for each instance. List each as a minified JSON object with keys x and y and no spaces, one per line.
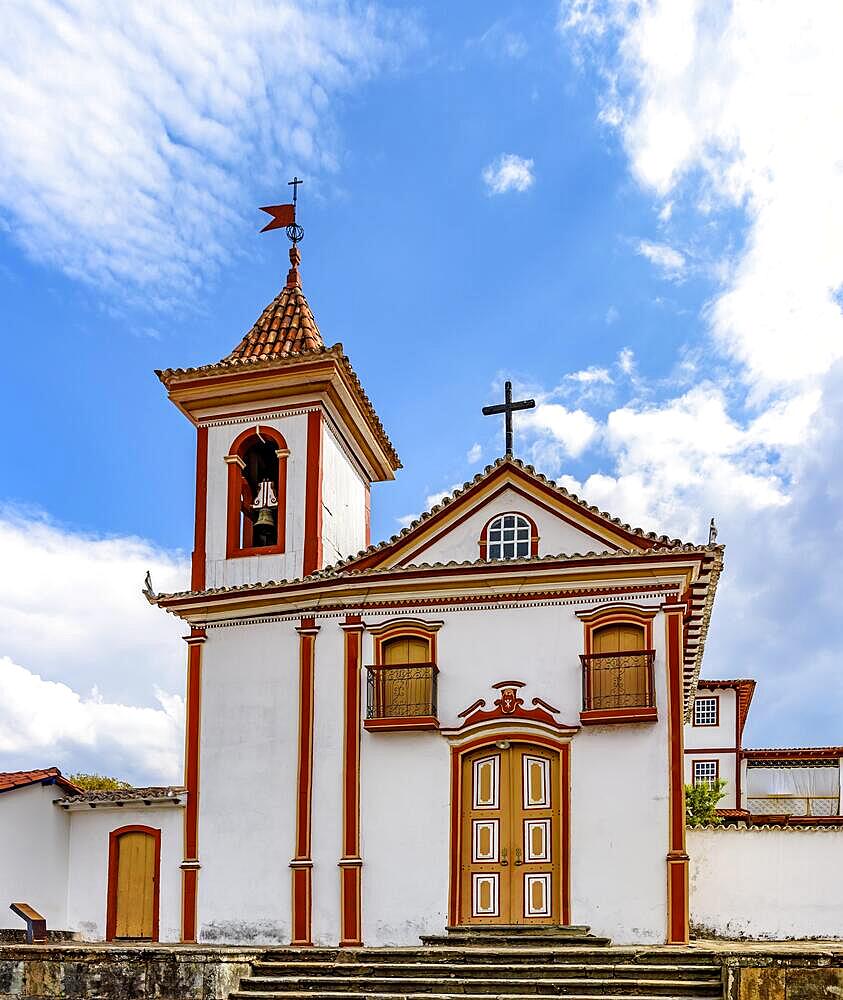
{"x":284,"y":216}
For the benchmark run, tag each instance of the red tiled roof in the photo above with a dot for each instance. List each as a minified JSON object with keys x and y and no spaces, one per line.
{"x":10,"y":780}
{"x":793,"y":753}
{"x":285,"y":327}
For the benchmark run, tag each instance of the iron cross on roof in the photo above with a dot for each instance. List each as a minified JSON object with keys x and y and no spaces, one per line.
{"x":508,"y":408}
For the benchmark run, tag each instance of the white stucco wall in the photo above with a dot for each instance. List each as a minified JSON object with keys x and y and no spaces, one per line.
{"x":221,"y":572}
{"x":327,"y":779}
{"x":87,"y":890}
{"x":767,"y":883}
{"x":247,"y":781}
{"x":556,"y":536}
{"x":727,"y":763}
{"x":343,"y":501}
{"x":619,"y":808}
{"x":724,"y":734}
{"x":33,"y":854}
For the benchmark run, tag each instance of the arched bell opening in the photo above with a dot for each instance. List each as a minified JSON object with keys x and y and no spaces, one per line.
{"x":257,"y":486}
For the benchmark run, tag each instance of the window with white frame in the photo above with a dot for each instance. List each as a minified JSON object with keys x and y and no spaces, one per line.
{"x":508,"y":537}
{"x":705,"y":772}
{"x":705,"y":711}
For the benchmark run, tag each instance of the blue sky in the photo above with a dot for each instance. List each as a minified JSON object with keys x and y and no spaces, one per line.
{"x":633,"y":211}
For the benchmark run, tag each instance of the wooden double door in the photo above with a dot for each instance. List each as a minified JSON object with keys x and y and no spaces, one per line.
{"x":510,"y":835}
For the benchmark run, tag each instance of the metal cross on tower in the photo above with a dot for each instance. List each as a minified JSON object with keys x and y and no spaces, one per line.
{"x":508,"y":408}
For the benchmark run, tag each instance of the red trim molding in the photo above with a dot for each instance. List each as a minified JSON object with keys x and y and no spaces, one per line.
{"x":197,"y":569}
{"x":233,"y":547}
{"x":608,"y":716}
{"x":193,"y":709}
{"x":313,"y":495}
{"x":563,"y":748}
{"x":534,"y":532}
{"x":113,"y":872}
{"x":678,"y":917}
{"x":302,"y":863}
{"x":350,"y":864}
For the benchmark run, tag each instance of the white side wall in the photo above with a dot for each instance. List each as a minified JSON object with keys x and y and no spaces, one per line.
{"x":462,"y":543}
{"x":724,"y":734}
{"x":727,"y":763}
{"x":33,"y":854}
{"x":767,"y":883}
{"x":343,"y":501}
{"x":221,"y":572}
{"x":87,"y":893}
{"x":699,"y":740}
{"x":247,"y":782}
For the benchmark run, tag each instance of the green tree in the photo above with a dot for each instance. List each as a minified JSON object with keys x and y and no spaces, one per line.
{"x":97,"y":782}
{"x":701,"y":803}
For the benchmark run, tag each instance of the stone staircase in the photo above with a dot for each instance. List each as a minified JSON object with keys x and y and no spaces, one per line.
{"x":506,"y":963}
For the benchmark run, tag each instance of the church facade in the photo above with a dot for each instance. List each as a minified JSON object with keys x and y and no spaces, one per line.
{"x":478,"y":721}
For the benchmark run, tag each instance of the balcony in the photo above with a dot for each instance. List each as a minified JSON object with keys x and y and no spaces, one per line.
{"x":618,"y":687}
{"x":401,"y":696}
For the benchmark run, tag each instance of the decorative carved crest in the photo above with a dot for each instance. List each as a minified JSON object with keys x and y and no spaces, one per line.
{"x":510,"y":705}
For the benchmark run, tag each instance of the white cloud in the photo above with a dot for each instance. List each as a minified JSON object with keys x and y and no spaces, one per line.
{"x":45,"y":723}
{"x":508,"y":173}
{"x":612,"y":315}
{"x":432,"y":499}
{"x":132,"y":135}
{"x":474,"y":454}
{"x":72,"y":619}
{"x":406,"y":520}
{"x":589,"y":376}
{"x":733,"y":107}
{"x":669,"y":261}
{"x":566,"y":433}
{"x":626,"y":360}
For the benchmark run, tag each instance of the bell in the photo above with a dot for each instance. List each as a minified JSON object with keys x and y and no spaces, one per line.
{"x":266,"y":518}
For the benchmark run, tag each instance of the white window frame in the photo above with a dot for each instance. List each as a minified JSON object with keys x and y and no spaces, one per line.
{"x":711,"y":766}
{"x":708,"y":716}
{"x":508,"y":537}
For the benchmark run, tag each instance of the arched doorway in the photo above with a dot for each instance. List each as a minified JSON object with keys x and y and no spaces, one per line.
{"x":511,"y":847}
{"x":134,"y":867}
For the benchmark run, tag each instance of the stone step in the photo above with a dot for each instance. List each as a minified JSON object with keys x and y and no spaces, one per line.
{"x":497,"y":955}
{"x":520,"y":940}
{"x":545,"y":970}
{"x":524,"y":986}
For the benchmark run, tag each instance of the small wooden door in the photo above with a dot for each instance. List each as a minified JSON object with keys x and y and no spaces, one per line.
{"x":510,"y":854}
{"x":620,"y":682}
{"x":399,"y":689}
{"x":133,"y":884}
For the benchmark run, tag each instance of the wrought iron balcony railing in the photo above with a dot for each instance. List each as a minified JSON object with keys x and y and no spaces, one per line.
{"x":618,"y":681}
{"x":402,"y":691}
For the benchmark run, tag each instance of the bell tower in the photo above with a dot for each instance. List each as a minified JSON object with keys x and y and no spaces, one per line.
{"x":288,"y":445}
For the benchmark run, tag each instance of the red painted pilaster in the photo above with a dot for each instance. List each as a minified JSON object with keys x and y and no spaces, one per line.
{"x":193,"y":704}
{"x":350,"y":864}
{"x":678,"y":919}
{"x":313,"y":496}
{"x":302,"y":863}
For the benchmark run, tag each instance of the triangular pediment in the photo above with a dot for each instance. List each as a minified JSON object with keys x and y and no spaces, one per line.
{"x":452,"y":531}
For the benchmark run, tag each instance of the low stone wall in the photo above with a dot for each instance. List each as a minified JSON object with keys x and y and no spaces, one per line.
{"x":773,"y":883}
{"x":107,"y":972}
{"x":805,"y":971}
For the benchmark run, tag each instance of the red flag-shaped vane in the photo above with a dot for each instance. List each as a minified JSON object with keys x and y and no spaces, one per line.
{"x":282,"y":216}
